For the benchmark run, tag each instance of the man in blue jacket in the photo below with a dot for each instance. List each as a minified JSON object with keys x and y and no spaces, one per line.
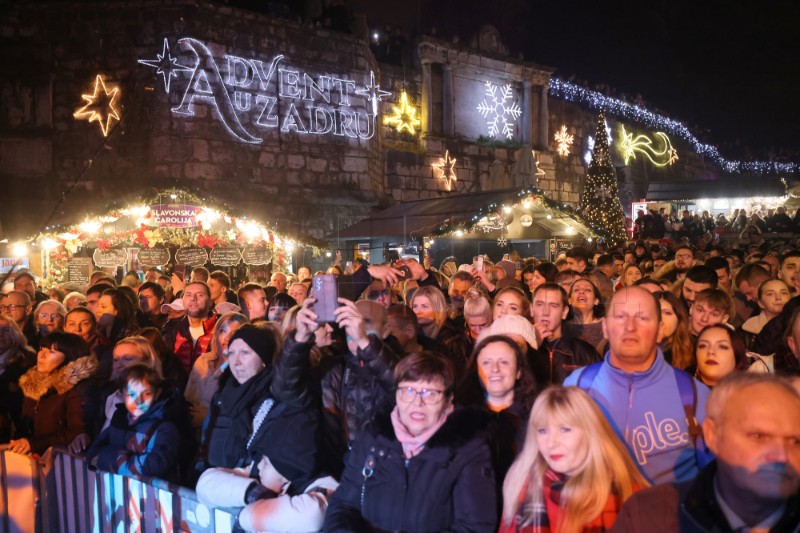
{"x":641,"y":395}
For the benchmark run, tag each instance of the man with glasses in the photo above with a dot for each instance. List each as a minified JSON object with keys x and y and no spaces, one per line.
{"x":684,"y":260}
{"x":17,"y":306}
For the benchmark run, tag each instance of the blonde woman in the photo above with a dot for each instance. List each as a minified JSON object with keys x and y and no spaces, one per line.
{"x":443,"y":335}
{"x":573,"y":473}
{"x":477,"y":315}
{"x":208,"y":368}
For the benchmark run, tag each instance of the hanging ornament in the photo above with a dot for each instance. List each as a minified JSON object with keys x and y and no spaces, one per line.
{"x":502,"y":242}
{"x":526,"y":221}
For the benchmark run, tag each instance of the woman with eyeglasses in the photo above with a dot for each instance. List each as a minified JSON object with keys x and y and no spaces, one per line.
{"x":424,"y":468}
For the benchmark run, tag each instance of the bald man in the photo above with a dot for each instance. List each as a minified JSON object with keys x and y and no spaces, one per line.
{"x":640,"y":393}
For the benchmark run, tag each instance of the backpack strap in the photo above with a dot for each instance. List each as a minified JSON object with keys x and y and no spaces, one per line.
{"x":688,"y":391}
{"x":588,"y":373}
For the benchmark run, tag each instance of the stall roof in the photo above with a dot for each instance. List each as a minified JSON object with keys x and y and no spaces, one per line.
{"x":419,"y":218}
{"x":734,"y":187}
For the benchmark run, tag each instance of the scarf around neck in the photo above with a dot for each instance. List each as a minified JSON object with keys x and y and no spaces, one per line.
{"x":413,"y":445}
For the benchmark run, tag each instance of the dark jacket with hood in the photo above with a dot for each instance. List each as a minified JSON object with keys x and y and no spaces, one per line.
{"x":449,"y":486}
{"x":148,"y":446}
{"x":53,"y":411}
{"x":689,"y":507}
{"x":354,"y":393}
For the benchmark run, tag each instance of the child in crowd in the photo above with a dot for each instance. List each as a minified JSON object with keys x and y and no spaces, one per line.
{"x":143,"y":437}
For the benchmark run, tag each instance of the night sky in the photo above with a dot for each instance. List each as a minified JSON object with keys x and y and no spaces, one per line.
{"x":730,"y":68}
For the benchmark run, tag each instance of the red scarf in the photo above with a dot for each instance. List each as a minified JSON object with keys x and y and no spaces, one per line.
{"x":541,"y":516}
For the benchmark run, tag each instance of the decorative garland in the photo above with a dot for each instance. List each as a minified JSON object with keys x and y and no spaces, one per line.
{"x":533,"y":195}
{"x":600,"y":102}
{"x":215,"y":228}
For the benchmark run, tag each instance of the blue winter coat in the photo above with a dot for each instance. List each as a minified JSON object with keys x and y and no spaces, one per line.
{"x":149,"y":446}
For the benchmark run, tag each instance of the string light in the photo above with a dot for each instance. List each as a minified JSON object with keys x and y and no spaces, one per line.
{"x":638,"y":114}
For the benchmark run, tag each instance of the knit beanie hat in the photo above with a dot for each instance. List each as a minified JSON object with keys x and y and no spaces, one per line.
{"x":260,"y":341}
{"x":509,"y":267}
{"x":511,"y":325}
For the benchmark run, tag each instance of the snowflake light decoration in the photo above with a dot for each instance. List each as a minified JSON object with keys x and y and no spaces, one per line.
{"x":564,"y":141}
{"x":500,"y":110}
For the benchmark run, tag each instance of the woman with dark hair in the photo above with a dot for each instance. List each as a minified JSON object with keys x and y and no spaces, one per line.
{"x":54,"y":394}
{"x":499,"y":381}
{"x":676,"y":343}
{"x":116,"y":319}
{"x":587,"y":314}
{"x":82,"y":322}
{"x":425,"y":468}
{"x":279,"y":305}
{"x":533,"y":276}
{"x":16,"y":357}
{"x":720,"y":351}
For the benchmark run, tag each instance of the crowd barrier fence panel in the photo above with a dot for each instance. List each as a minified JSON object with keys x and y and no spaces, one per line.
{"x":71,"y":497}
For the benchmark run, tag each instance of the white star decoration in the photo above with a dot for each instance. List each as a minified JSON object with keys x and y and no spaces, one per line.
{"x":165,"y":64}
{"x":373,"y":92}
{"x":446,"y":168}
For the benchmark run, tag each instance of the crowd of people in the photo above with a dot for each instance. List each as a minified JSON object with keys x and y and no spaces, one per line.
{"x":641,"y":388}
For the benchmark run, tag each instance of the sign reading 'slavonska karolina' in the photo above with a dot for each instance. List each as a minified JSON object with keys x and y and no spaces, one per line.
{"x":254,"y":95}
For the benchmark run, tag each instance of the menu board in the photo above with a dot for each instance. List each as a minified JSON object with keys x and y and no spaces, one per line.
{"x":154,"y":257}
{"x":110,"y":258}
{"x":257,"y":255}
{"x":79,"y":270}
{"x":193,"y":256}
{"x":225,"y":256}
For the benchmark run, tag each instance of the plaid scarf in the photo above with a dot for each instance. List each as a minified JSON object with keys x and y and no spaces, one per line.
{"x":532,"y":516}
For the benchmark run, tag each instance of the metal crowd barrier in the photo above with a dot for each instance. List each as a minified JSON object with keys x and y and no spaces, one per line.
{"x":66,"y":496}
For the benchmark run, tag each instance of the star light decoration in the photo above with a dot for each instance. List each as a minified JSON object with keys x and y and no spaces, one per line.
{"x":563,"y":141}
{"x":446,"y":168}
{"x":166,"y":65}
{"x":642,"y":144}
{"x":101,"y":105}
{"x":403,"y":117}
{"x":373,"y":93}
{"x":640,"y":115}
{"x":500,"y":109}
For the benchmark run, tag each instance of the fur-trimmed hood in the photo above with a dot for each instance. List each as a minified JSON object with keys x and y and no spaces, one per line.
{"x":34,"y":385}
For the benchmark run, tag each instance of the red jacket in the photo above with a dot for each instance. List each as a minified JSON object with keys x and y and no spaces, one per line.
{"x":179,"y":338}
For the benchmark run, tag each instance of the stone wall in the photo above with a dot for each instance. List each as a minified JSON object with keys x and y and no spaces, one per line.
{"x":53,"y":53}
{"x":314,"y":183}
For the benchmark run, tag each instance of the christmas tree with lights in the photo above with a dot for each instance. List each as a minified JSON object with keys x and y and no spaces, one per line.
{"x":600,"y":204}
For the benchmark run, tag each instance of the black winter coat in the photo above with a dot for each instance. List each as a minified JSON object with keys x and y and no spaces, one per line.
{"x":555,"y":359}
{"x":15,"y":363}
{"x":449,"y":486}
{"x":356,"y":392}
